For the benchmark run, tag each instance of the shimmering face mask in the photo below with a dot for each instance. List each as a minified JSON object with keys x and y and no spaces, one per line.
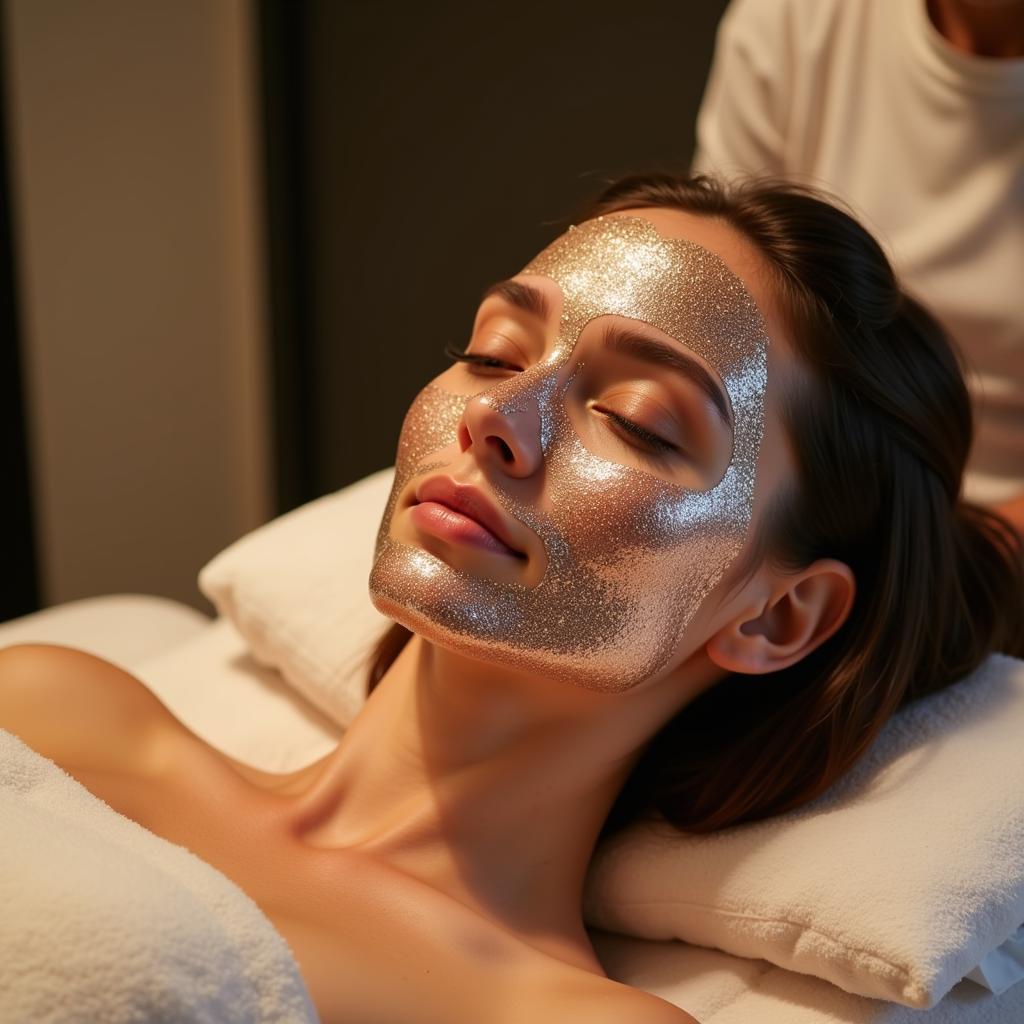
{"x":630,"y":556}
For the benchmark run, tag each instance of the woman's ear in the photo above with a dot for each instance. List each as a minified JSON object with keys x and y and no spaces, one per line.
{"x":802,"y":612}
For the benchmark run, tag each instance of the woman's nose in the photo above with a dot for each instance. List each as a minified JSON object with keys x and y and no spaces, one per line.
{"x":510,"y":437}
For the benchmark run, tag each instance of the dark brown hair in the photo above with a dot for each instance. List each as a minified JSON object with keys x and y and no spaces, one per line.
{"x":880,"y":435}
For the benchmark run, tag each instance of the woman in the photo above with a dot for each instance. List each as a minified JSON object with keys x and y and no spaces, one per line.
{"x":677,"y":532}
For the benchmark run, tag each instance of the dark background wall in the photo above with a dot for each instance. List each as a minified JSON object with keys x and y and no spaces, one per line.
{"x":417,"y":153}
{"x":19,"y":584}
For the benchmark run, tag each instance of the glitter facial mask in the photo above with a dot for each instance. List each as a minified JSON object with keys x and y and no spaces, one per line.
{"x":630,"y":556}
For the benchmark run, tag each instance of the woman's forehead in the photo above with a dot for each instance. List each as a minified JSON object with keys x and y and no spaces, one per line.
{"x":717,"y":236}
{"x":625,"y":266}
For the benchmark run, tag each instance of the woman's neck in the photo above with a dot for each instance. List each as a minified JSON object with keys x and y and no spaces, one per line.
{"x":487,"y":785}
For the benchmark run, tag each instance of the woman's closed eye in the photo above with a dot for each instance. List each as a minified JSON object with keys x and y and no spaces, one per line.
{"x":662,"y":449}
{"x":473,"y":359}
{"x":652,"y":447}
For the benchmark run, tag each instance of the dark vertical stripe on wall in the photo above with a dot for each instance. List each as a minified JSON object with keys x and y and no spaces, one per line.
{"x":280,"y":47}
{"x":19,"y":584}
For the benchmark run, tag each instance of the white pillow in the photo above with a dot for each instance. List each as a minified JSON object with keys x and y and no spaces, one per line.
{"x":895,"y":883}
{"x":297,"y":590}
{"x":907,"y":874}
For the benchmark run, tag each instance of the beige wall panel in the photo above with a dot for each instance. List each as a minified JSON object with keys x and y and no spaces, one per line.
{"x":136,"y":211}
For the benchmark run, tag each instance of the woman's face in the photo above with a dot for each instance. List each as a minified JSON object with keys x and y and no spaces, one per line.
{"x":611,"y":440}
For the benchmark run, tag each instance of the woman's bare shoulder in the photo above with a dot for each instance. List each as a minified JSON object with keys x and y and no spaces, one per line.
{"x":576,"y":995}
{"x":637,"y":1007}
{"x":77,"y":708}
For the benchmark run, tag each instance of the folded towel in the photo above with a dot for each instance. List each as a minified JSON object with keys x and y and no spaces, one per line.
{"x":717,"y":988}
{"x":895,"y":884}
{"x":104,"y":921}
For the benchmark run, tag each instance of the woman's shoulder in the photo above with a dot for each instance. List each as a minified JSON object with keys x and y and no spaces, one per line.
{"x":79,"y":709}
{"x":612,"y":1003}
{"x":569,"y":993}
{"x":105,"y":728}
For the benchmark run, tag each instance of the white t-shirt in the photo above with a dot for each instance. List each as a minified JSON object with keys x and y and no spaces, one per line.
{"x":866,"y":99}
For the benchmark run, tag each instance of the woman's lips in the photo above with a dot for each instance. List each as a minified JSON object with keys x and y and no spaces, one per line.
{"x":459,"y":512}
{"x":448,"y":524}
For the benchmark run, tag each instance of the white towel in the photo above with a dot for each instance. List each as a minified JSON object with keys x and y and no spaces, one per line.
{"x":102,"y":920}
{"x":895,"y":884}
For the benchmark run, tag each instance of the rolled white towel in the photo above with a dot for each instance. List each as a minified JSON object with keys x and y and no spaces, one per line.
{"x":103,"y":920}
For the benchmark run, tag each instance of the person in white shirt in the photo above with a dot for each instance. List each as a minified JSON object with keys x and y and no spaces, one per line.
{"x":912,"y":112}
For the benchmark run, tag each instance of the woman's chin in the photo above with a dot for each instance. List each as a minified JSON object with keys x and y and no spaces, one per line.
{"x":504,"y":626}
{"x":538,"y":666}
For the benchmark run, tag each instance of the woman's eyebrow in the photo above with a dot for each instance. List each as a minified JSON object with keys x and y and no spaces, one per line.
{"x":654,"y":350}
{"x":522,"y":296}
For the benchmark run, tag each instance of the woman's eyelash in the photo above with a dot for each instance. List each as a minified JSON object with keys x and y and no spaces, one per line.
{"x":476,"y":360}
{"x":662,"y":448}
